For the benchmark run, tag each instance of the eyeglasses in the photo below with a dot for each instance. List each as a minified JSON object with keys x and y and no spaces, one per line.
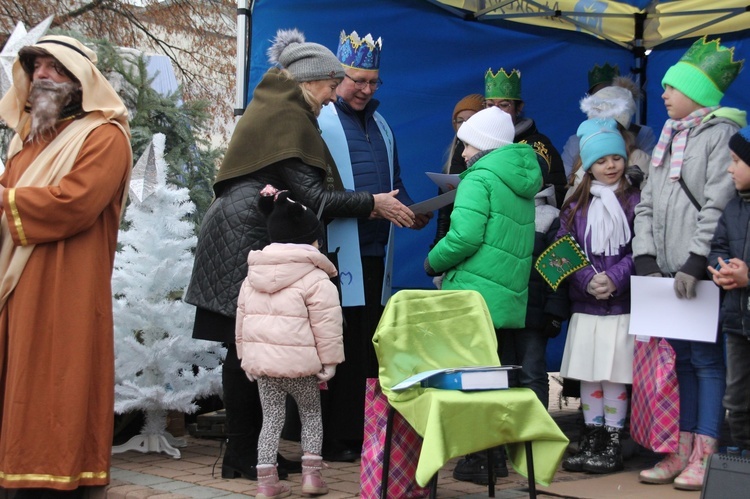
{"x":504,"y":104}
{"x":361,"y":84}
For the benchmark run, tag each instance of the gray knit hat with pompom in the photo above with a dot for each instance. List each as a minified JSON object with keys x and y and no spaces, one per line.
{"x":306,"y":61}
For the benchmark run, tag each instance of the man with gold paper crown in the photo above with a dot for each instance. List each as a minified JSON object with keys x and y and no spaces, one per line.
{"x":523,"y":346}
{"x":61,"y":196}
{"x":504,"y":91}
{"x":364,"y":149}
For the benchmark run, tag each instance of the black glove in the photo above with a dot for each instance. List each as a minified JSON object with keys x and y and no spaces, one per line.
{"x":428,"y":269}
{"x":552,"y":326}
{"x":634,"y":175}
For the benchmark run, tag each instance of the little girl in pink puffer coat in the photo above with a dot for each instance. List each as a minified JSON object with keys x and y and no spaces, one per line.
{"x":289,"y":334}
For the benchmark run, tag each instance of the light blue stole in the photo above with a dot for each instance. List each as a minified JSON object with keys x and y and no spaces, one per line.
{"x":343,"y":233}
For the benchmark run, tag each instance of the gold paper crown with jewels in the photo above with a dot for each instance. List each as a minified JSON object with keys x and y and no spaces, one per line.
{"x":602,"y":74}
{"x":502,"y":85}
{"x":715,"y":61}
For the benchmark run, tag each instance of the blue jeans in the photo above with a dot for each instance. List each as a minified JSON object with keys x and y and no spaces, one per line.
{"x":701,"y":373}
{"x":526,"y":348}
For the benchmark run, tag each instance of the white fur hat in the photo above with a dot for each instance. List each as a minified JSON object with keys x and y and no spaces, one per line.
{"x":610,"y":102}
{"x":488,"y":129}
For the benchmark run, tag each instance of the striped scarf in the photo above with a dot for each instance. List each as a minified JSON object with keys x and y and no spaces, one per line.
{"x":679,"y":141}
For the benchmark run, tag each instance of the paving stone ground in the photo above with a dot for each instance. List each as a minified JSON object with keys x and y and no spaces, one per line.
{"x":197,"y":474}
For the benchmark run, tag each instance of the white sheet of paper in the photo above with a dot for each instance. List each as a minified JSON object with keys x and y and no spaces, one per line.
{"x":433,"y":204}
{"x":446,"y":181}
{"x":655,"y":310}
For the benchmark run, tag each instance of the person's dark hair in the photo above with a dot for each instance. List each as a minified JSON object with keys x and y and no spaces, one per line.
{"x":27,"y":56}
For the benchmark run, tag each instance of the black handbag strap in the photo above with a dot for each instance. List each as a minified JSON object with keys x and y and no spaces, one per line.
{"x":690,"y":195}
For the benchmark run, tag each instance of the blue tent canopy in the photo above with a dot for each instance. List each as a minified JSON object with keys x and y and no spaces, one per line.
{"x":432,"y":58}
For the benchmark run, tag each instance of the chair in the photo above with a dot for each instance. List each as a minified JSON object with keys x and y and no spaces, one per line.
{"x":421,"y":330}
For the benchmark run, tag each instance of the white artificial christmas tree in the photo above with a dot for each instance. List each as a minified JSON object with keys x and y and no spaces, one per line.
{"x":159,"y":367}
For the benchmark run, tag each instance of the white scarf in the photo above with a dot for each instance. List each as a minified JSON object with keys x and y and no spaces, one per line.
{"x":606,"y":221}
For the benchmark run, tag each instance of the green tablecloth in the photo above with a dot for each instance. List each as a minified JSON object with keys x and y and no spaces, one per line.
{"x":423,"y":330}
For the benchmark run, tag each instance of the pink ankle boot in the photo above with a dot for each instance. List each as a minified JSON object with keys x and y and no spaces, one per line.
{"x":312,"y":483}
{"x":269,"y":486}
{"x":668,"y":468}
{"x":692,"y":477}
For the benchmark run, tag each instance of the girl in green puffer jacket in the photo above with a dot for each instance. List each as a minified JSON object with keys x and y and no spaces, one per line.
{"x":489,"y":245}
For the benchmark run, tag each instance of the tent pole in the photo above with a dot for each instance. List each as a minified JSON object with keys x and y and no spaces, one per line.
{"x":244,"y":37}
{"x":639,"y":53}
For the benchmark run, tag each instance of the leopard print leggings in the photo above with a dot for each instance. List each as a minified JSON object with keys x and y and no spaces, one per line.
{"x":273,"y":399}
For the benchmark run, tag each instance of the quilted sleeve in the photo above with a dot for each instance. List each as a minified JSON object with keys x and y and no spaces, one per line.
{"x":306,"y":182}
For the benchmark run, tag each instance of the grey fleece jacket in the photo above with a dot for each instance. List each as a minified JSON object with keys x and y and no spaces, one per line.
{"x":669,"y":231}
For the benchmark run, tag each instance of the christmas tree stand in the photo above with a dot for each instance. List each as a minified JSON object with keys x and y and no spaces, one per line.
{"x":153,"y":437}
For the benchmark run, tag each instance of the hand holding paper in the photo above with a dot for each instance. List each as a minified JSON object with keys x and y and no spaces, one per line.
{"x":656,"y":311}
{"x":684,"y":285}
{"x":432,"y":204}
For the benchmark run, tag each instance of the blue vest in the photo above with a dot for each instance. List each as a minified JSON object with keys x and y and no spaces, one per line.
{"x":343,"y":232}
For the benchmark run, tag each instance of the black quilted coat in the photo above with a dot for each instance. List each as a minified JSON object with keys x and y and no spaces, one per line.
{"x":233,"y":226}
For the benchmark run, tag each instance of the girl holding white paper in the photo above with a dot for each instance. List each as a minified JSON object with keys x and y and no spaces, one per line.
{"x":598,"y":350}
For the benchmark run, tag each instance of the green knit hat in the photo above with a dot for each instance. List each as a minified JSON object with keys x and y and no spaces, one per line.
{"x":502,"y":85}
{"x":705,"y":72}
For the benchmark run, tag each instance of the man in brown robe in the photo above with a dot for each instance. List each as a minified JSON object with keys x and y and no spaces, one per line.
{"x":61,"y":196}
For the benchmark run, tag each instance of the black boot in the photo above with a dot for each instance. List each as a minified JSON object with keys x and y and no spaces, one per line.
{"x":244,"y":418}
{"x":591,"y":442}
{"x":243,"y":422}
{"x":609,"y":459}
{"x":288,"y":465}
{"x":473,"y":467}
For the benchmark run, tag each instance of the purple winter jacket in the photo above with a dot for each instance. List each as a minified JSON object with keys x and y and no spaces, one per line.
{"x":618,"y":267}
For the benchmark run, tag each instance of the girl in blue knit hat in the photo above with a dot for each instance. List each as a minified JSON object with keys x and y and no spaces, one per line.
{"x":598,"y":350}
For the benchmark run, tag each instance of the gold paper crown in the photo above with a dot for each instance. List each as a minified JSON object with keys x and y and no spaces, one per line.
{"x":603,"y":74}
{"x":502,"y":85}
{"x":715,"y":61}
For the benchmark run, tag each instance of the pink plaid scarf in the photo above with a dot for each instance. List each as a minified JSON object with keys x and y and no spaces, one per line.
{"x":679,"y":142}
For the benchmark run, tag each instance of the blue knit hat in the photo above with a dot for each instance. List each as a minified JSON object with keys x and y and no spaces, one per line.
{"x":739,"y":144}
{"x":599,"y":138}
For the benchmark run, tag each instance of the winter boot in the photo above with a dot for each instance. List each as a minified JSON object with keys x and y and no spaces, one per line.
{"x":269,"y":486}
{"x":691,"y":477}
{"x":312,"y":483}
{"x":609,"y":459}
{"x":244,"y":418}
{"x":473,"y":467}
{"x":591,"y":442}
{"x":668,"y":468}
